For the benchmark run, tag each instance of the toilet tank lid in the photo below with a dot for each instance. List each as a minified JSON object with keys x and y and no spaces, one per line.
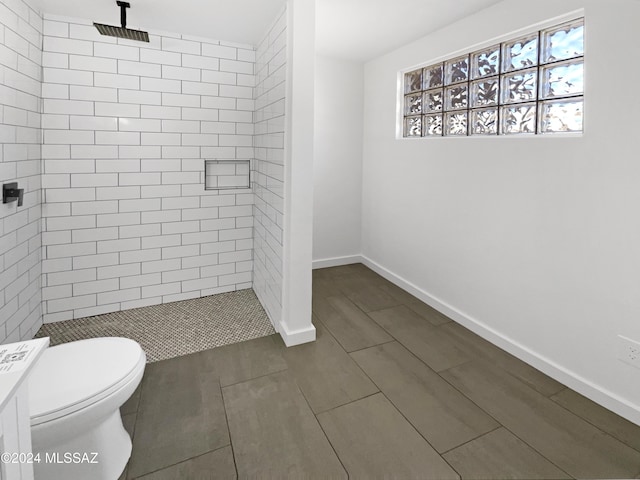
{"x":74,"y":372}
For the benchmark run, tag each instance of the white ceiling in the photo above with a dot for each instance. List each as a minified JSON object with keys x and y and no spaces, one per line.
{"x":241,"y":21}
{"x":364,"y":29}
{"x":352,"y":29}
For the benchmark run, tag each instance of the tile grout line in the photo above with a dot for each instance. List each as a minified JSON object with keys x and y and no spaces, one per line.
{"x":509,"y":430}
{"x":254,"y":378}
{"x":393,"y":404}
{"x":539,"y":453}
{"x":135,"y":424}
{"x":178,"y":463}
{"x":398,"y":410}
{"x":347,"y":403}
{"x":500,"y":423}
{"x":341,"y":346}
{"x":352,"y":359}
{"x":365,"y":314}
{"x":315,"y":416}
{"x":332,"y":447}
{"x":226,"y":418}
{"x":588,"y":421}
{"x":473,"y":439}
{"x":371,"y":346}
{"x":491,"y":416}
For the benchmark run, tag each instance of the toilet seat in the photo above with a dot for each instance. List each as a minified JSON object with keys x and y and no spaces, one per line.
{"x":75,"y":375}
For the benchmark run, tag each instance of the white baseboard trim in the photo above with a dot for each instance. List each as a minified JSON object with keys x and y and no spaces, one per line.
{"x":290,"y":338}
{"x":337,"y":261}
{"x":595,"y":392}
{"x":297,"y":337}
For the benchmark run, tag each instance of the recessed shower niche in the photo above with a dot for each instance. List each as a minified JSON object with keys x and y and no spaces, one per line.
{"x":227,"y":174}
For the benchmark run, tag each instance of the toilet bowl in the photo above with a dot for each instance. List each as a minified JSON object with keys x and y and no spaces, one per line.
{"x":75,"y":393}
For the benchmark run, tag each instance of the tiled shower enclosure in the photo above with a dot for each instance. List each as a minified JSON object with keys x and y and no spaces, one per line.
{"x":116,"y":133}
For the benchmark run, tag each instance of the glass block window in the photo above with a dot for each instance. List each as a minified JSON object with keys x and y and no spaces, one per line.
{"x":533,"y":84}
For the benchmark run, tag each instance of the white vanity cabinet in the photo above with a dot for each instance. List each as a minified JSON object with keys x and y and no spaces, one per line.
{"x":16,"y":362}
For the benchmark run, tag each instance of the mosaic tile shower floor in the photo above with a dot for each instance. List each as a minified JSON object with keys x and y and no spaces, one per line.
{"x":174,"y":329}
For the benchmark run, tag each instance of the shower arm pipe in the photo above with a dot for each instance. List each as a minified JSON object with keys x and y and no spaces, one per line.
{"x":123,"y":12}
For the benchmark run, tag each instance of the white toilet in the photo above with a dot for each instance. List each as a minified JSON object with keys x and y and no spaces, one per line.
{"x":75,"y":393}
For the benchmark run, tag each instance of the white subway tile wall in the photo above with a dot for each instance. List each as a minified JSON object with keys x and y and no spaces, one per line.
{"x":127,"y":127}
{"x":20,"y":160}
{"x":268,"y":175}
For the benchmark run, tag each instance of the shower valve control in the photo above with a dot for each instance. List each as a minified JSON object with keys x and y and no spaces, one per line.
{"x":11,"y":193}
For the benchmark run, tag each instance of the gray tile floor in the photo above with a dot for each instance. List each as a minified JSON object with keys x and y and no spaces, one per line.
{"x":391,"y":389}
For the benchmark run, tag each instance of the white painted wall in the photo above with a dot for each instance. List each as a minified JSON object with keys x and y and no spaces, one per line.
{"x":532,"y":242}
{"x":337,"y":164}
{"x":127,"y":127}
{"x":20,"y":154}
{"x":296,"y":326}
